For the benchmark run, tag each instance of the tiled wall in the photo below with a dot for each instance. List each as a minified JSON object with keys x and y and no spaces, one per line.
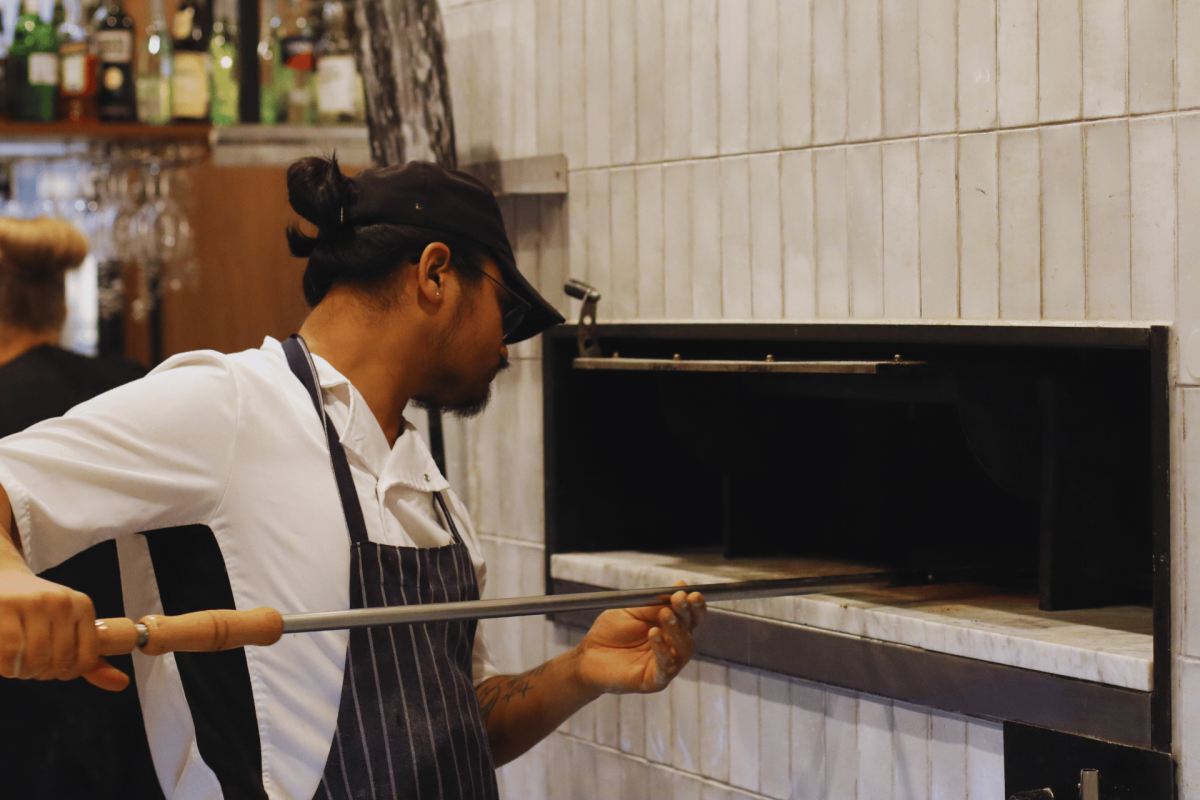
{"x":833,"y":159}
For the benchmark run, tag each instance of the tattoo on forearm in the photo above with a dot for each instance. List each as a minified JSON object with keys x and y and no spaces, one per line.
{"x":505,"y":687}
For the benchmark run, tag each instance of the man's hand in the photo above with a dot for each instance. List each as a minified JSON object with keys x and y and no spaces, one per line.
{"x":47,"y":631}
{"x":630,"y":650}
{"x":640,"y":649}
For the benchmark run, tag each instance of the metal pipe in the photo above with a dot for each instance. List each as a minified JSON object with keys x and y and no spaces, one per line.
{"x":582,"y":601}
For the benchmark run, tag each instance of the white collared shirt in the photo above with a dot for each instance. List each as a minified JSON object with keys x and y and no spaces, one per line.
{"x":232,"y":442}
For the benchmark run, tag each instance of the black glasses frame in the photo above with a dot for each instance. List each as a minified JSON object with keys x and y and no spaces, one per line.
{"x":513,"y":308}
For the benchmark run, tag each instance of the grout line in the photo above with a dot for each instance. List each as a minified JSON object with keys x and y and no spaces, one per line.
{"x":667,"y":767}
{"x":496,"y":538}
{"x":890,"y":140}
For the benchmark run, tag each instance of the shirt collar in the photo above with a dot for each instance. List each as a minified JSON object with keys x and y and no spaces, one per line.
{"x":408,"y":463}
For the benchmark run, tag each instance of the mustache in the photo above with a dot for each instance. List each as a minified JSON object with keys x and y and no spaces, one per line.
{"x":502,"y":365}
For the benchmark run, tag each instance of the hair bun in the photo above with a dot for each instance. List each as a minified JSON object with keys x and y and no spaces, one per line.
{"x":319,"y":193}
{"x":41,"y":249}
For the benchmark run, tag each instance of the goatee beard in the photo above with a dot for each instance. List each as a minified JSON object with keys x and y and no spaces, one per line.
{"x":463,"y":409}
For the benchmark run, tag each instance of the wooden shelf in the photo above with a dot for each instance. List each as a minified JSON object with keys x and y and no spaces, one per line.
{"x":65,"y":139}
{"x":116,"y":131}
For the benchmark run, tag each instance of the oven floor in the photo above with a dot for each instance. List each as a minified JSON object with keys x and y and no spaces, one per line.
{"x":1110,"y":645}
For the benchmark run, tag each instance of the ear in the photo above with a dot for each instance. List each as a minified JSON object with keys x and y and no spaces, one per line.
{"x":433,"y":273}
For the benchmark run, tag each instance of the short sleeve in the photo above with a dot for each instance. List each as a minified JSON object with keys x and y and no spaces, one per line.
{"x":155,"y":453}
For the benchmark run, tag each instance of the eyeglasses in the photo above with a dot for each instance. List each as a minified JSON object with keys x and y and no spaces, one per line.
{"x":513,"y":308}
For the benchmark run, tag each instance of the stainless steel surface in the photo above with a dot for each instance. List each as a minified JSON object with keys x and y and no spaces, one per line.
{"x":589,"y":342}
{"x":769,"y":364}
{"x":143,"y":634}
{"x":584,"y":601}
{"x":280,"y":145}
{"x":535,"y":175}
{"x":1089,"y":784}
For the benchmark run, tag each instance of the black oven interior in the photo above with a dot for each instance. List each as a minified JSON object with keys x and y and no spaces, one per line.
{"x":1024,"y":465}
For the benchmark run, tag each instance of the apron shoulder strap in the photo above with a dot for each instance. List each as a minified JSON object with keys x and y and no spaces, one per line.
{"x":306,"y":372}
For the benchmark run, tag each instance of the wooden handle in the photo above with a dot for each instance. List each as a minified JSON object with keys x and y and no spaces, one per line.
{"x":117,"y":636}
{"x":198,"y":632}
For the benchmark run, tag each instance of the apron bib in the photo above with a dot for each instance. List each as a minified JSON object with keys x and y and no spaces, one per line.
{"x":409,"y":723}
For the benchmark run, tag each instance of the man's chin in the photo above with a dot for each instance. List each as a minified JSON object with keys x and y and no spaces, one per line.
{"x":464,"y":409}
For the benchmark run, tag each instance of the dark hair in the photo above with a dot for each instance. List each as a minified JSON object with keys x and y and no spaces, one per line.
{"x":34,"y":254}
{"x":366,"y":256}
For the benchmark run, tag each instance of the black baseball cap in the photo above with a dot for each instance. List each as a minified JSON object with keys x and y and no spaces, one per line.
{"x":423,"y":195}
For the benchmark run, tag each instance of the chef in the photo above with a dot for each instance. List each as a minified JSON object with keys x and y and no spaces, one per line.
{"x":287,"y":476}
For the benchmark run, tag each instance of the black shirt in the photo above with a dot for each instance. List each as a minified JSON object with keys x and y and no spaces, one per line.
{"x":58,"y":739}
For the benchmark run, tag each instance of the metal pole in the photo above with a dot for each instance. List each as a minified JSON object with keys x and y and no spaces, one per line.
{"x":583,"y":601}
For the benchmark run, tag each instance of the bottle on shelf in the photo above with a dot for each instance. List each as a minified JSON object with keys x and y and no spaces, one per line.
{"x":273,"y":75}
{"x":226,"y":69}
{"x":191,"y":99}
{"x":156,"y":63}
{"x":9,"y":11}
{"x":339,"y":84}
{"x":299,"y":45}
{"x":116,"y":93}
{"x":32,"y":77}
{"x":77,"y":62}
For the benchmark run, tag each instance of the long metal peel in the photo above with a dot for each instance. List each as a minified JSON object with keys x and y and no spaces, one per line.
{"x":221,"y":629}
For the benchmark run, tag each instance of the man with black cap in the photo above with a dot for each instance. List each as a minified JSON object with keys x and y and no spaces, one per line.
{"x":288,"y":477}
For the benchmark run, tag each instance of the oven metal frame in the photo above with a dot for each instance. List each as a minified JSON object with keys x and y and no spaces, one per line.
{"x":1143,"y":719}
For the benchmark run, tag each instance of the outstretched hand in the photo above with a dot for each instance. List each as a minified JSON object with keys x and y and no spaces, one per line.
{"x":632,"y":650}
{"x":48,"y":632}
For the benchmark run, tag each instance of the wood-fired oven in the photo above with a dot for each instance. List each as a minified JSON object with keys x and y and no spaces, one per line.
{"x":1017,"y":471}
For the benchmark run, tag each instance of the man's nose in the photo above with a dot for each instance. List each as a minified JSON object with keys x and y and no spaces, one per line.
{"x":504,"y":352}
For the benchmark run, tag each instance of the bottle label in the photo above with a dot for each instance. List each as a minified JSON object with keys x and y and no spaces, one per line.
{"x":298,"y":53}
{"x":74,"y":72}
{"x":182,"y":29}
{"x":191,"y":85}
{"x":114,"y":47}
{"x":113,"y":79}
{"x":43,"y":69}
{"x":337,"y":84}
{"x":154,"y":98}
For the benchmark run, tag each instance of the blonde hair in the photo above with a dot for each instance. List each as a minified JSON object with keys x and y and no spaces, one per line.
{"x":34,"y":254}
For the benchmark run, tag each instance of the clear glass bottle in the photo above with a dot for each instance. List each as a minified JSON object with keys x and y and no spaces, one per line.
{"x":226,"y":69}
{"x":33,"y":68}
{"x":191,"y":99}
{"x":77,"y":62}
{"x":271,"y":71}
{"x":339,"y":84}
{"x":113,"y":38}
{"x":298,"y":44}
{"x":156,"y":63}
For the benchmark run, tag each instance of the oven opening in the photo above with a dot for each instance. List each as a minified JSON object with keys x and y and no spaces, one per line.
{"x":1022,"y":468}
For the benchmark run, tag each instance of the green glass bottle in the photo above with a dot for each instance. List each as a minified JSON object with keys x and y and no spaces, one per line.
{"x":226,"y":69}
{"x":32,"y":75}
{"x":274,"y":76}
{"x":156,"y":61}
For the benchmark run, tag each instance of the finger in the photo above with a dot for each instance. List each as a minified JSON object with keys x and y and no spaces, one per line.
{"x":664,"y":659}
{"x":12,"y":645}
{"x":106,"y":676}
{"x":60,"y":609}
{"x":36,"y":655}
{"x":677,"y":636}
{"x":86,"y":639}
{"x":699,"y":608}
{"x":682,"y":609}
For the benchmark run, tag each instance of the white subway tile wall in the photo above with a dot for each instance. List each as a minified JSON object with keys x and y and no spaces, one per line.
{"x":820,"y":159}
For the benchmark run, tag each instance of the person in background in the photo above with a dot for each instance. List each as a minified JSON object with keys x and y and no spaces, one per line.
{"x":75,"y":740}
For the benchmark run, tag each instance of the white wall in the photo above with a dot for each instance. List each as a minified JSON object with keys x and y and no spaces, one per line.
{"x":832,"y":159}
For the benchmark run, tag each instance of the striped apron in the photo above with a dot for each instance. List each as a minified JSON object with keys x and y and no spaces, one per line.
{"x":409,"y":723}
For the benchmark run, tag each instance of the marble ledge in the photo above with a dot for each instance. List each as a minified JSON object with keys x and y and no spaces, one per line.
{"x":1111,"y":645}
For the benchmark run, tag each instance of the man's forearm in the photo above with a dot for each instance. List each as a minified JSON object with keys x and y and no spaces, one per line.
{"x":521,"y":710}
{"x":11,"y":552}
